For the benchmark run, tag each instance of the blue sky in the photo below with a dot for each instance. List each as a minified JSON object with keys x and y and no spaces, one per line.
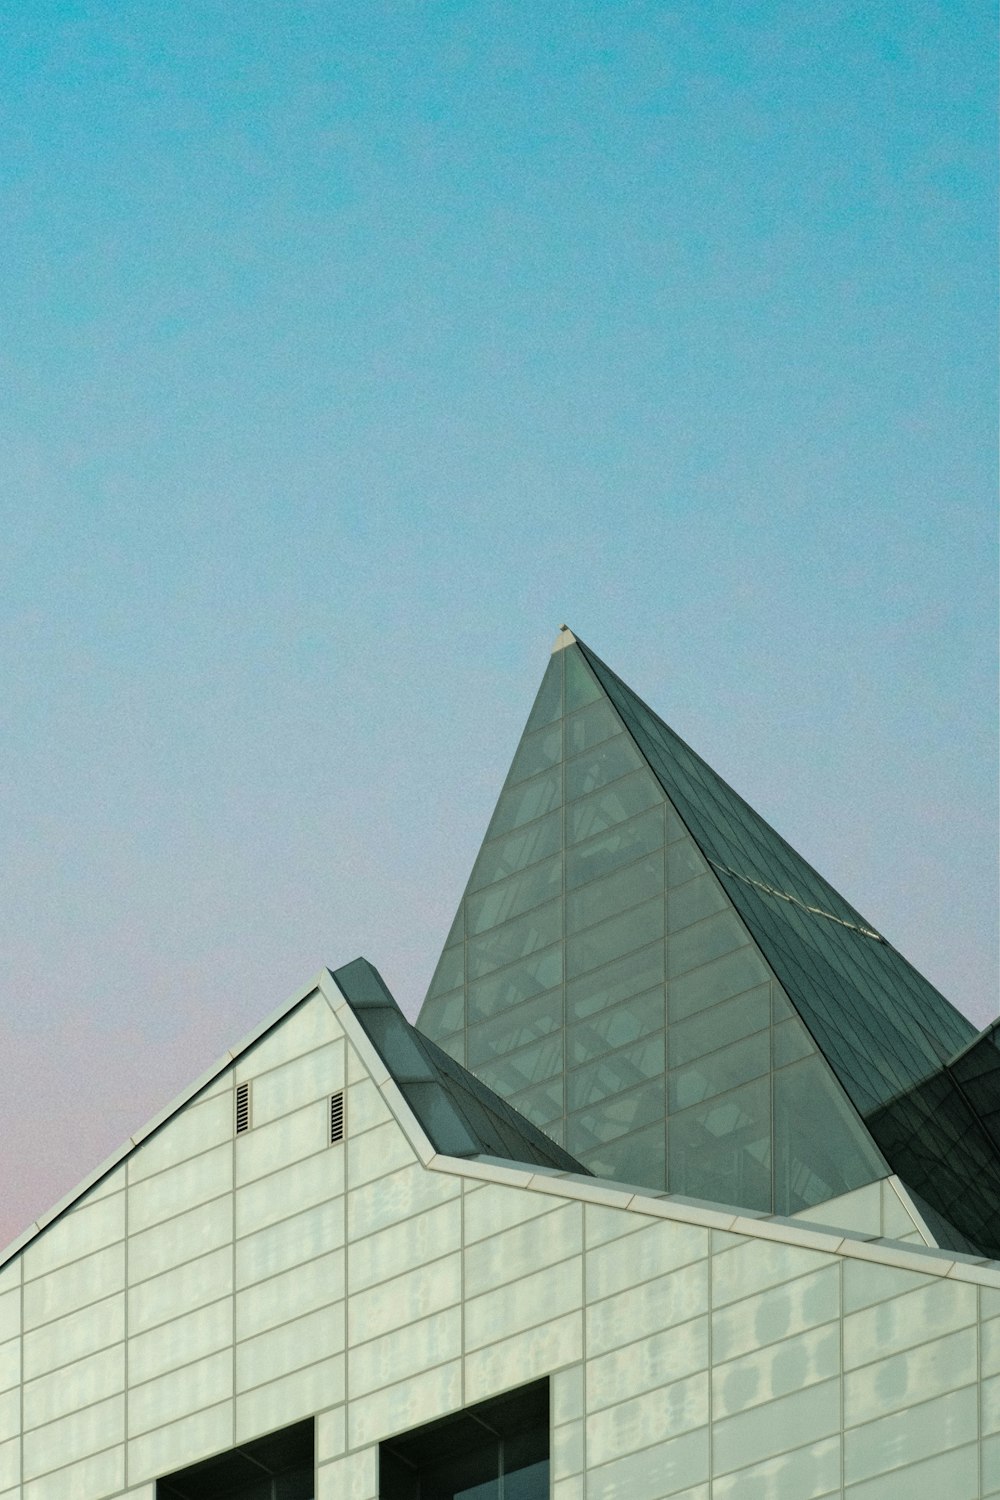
{"x":347,"y":351}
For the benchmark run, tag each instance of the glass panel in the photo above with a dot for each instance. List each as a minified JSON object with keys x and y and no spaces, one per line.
{"x":450,"y":972}
{"x":642,"y":1107}
{"x":542,"y":1104}
{"x":580,"y":685}
{"x":696,"y":899}
{"x":721,"y":1150}
{"x":698,"y":945}
{"x":534,"y":1064}
{"x":457,"y":933}
{"x":595,"y":724}
{"x":505,"y":856}
{"x":790,"y":1041}
{"x":717,"y":1072}
{"x":536,"y":752}
{"x":683,"y":862}
{"x":548,"y":703}
{"x":611,"y":939}
{"x":444,"y":1013}
{"x":615,"y":893}
{"x":619,"y":846}
{"x":521,"y":804}
{"x":631,"y":1158}
{"x":612,"y":805}
{"x":504,"y":945}
{"x":614,"y":1073}
{"x":509,"y":898}
{"x":610,"y":761}
{"x":515,"y":1028}
{"x":738,"y":971}
{"x":617,"y":1026}
{"x":629,"y":976}
{"x":822,"y":1149}
{"x":520,"y":982}
{"x":715,"y":1028}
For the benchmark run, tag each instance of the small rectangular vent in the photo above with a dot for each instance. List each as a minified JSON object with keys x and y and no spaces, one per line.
{"x":336,"y":1117}
{"x":242,"y":1108}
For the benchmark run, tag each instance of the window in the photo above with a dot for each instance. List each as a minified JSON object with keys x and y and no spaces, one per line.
{"x":280,"y":1466}
{"x":498,"y":1450}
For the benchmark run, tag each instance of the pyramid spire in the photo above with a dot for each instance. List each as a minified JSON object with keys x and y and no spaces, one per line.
{"x":650,"y":974}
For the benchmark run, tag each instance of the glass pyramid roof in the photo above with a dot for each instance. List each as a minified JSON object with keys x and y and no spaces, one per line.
{"x":651,"y":975}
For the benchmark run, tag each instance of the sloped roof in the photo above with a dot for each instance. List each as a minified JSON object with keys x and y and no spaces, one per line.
{"x":887,"y":1032}
{"x":461,"y":1116}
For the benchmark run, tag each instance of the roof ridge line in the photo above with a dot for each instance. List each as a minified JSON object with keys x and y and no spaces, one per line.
{"x":816,"y":911}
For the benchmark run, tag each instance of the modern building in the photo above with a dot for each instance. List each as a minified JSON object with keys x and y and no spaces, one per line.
{"x":685,"y":1184}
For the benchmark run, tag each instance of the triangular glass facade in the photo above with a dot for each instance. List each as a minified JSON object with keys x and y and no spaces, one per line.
{"x":600,"y":978}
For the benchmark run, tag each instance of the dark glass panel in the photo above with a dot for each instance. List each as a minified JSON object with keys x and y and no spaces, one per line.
{"x":742,"y":970}
{"x":504,"y":945}
{"x":608,"y":762}
{"x":609,"y":940}
{"x":683,"y":862}
{"x":821,"y":1147}
{"x":611,"y":850}
{"x":591,"y":727}
{"x":697,"y":945}
{"x":580,"y":685}
{"x":725,"y":1023}
{"x":515,"y":1028}
{"x":616,"y":982}
{"x":548,"y":702}
{"x":696,"y":899}
{"x":614,"y":1073}
{"x":464,"y":1476}
{"x":536,"y":752}
{"x":615,"y":893}
{"x":505,"y":856}
{"x":508,"y":898}
{"x":633,"y":794}
{"x":524,"y":803}
{"x":721,"y":1150}
{"x":616,"y":1027}
{"x":540,"y":972}
{"x":718,"y":1072}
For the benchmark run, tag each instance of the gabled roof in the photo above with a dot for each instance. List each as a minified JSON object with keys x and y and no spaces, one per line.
{"x":459,"y":1116}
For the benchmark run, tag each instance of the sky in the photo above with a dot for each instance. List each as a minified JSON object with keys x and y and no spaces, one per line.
{"x":347,"y":350}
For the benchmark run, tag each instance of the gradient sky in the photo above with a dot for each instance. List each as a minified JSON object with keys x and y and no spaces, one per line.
{"x":348,"y":349}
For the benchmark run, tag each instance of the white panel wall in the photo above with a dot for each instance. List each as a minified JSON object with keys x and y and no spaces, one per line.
{"x":214,"y":1288}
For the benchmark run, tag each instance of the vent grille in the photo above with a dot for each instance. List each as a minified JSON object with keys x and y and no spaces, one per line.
{"x":242,"y":1108}
{"x":336,"y":1117}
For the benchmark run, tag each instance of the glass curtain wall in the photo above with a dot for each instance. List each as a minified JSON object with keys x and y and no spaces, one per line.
{"x":599,"y":978}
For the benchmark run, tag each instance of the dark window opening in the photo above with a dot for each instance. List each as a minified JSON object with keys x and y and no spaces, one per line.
{"x":242,"y":1108}
{"x":336,"y":1117}
{"x":280,"y":1466}
{"x":497,"y":1450}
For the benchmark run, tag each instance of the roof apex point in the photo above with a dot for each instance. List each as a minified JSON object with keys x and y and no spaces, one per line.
{"x":563,"y":639}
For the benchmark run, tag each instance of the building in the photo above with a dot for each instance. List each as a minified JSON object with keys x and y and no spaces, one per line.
{"x":685,"y":1184}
